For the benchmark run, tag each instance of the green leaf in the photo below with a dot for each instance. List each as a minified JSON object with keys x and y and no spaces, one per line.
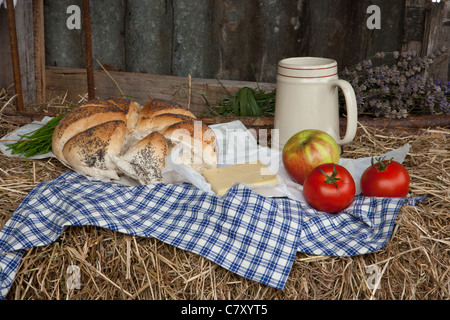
{"x":235,"y":105}
{"x":36,"y":142}
{"x":248,"y":102}
{"x":255,"y":109}
{"x":243,"y":102}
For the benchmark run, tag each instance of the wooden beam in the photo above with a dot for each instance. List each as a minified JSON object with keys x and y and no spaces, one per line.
{"x":409,"y":125}
{"x":39,"y":50}
{"x":414,"y":25}
{"x":71,"y":83}
{"x":88,"y":48}
{"x":437,"y":35}
{"x":15,"y":57}
{"x":23,"y":14}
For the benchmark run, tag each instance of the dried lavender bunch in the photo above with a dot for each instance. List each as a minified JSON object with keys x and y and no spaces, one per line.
{"x":400,"y":89}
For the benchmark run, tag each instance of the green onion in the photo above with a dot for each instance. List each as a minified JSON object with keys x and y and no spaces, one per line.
{"x":36,"y":142}
{"x":248,"y":102}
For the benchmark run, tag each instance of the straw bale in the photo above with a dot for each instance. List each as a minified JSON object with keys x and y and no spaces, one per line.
{"x":414,"y":265}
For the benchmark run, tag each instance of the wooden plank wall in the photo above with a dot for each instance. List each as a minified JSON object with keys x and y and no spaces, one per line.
{"x":221,"y":39}
{"x":71,"y":84}
{"x":426,"y":27}
{"x":25,"y":39}
{"x":210,"y":39}
{"x":436,"y":35}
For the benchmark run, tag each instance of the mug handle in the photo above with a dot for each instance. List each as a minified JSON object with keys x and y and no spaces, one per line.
{"x":352,"y":111}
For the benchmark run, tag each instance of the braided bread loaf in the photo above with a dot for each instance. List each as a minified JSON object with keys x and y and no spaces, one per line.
{"x":117,"y":137}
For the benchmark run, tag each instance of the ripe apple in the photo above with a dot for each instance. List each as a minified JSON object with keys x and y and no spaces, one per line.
{"x":306,"y":150}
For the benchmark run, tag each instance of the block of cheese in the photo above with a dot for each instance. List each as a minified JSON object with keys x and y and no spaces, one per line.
{"x":256,"y":174}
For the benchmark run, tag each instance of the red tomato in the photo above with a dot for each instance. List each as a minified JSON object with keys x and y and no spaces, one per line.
{"x":386,"y":178}
{"x":329,"y":188}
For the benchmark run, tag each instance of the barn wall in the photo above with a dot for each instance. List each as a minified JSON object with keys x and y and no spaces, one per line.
{"x":24,"y":30}
{"x":220,"y":39}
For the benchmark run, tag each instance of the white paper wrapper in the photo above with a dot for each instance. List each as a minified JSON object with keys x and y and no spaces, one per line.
{"x":237,"y":145}
{"x":15,"y":136}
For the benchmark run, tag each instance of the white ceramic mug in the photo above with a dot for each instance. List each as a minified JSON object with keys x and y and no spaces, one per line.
{"x":307,"y":98}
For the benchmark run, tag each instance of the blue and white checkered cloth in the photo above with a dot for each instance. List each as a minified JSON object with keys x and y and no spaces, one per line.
{"x":251,"y":235}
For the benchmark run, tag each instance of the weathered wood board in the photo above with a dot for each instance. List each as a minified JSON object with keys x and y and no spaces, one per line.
{"x":221,"y":39}
{"x":71,"y":83}
{"x":25,"y":42}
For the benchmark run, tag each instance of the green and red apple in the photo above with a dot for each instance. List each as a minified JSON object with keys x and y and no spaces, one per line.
{"x":306,"y":150}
